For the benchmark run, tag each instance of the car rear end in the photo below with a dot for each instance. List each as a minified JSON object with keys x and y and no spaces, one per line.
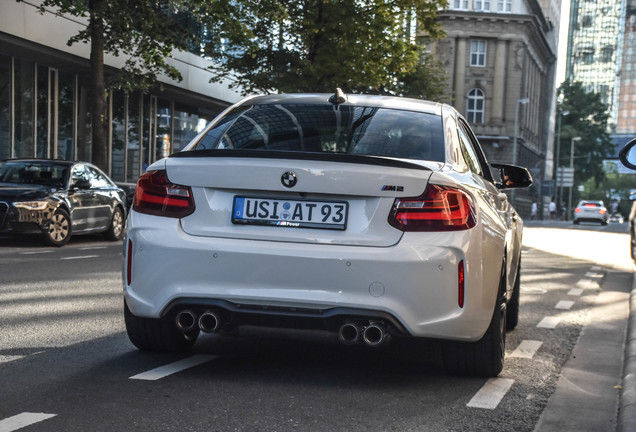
{"x":591,"y":211}
{"x":223,"y":235}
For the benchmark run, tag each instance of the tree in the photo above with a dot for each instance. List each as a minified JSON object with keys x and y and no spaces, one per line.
{"x":587,"y":119}
{"x":145,"y":33}
{"x":318,"y":45}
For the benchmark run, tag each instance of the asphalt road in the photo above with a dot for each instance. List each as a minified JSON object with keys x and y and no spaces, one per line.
{"x":66,"y":363}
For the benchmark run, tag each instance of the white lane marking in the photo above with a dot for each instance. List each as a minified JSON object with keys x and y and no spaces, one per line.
{"x":35,"y":252}
{"x":169,"y":369}
{"x":575,"y":292}
{"x":596,"y":268}
{"x":8,"y":358}
{"x":80,"y":257}
{"x":564,"y":304}
{"x":92,"y":247}
{"x":489,"y":396}
{"x":527,"y":349}
{"x":549,"y":322}
{"x":587,"y":283}
{"x":22,"y":420}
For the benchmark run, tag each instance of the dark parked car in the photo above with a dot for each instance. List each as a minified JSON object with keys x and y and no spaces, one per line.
{"x":58,"y":199}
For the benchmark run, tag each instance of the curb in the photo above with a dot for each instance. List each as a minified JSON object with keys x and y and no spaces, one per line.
{"x":627,"y":413}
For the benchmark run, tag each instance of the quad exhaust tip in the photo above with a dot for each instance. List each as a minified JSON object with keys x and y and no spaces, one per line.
{"x":373,"y":335}
{"x":209,"y":322}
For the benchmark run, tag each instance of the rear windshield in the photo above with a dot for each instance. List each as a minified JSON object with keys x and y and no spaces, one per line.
{"x":318,"y":128}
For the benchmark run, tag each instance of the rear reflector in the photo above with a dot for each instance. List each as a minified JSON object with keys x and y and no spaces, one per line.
{"x":155,"y":195}
{"x":460,"y":284}
{"x":439,"y":208}
{"x":129,"y":263}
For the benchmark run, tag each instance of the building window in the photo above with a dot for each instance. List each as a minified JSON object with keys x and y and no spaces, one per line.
{"x":461,"y":4}
{"x":5,"y":106}
{"x":504,"y":5}
{"x":482,"y":5}
{"x":607,"y":52}
{"x":475,"y":106}
{"x":478,"y":53}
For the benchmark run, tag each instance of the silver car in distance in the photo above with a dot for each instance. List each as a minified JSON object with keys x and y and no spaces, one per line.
{"x":368,"y":216}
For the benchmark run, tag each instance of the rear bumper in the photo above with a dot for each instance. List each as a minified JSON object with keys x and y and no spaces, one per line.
{"x":413,"y":285}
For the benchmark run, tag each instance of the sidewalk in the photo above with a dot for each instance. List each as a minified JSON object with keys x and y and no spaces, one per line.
{"x":588,"y":392}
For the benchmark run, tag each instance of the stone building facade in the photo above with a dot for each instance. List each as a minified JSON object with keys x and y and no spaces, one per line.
{"x":501,"y":67}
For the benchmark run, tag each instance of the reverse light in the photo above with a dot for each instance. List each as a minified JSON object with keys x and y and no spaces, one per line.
{"x":439,"y":208}
{"x":156,"y":195}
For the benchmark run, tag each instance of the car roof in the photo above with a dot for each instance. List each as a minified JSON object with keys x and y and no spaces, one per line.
{"x":55,"y":161}
{"x":377,"y":101}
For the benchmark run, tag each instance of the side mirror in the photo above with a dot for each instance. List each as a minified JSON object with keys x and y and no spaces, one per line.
{"x":82,"y":184}
{"x":513,"y":176}
{"x":627,"y":155}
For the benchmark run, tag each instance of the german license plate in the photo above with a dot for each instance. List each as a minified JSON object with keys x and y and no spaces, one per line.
{"x":290,"y":213}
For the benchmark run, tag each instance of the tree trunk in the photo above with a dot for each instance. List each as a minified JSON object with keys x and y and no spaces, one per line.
{"x":98,"y":91}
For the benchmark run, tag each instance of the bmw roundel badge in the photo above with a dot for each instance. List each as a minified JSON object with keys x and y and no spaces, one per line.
{"x":289,"y":179}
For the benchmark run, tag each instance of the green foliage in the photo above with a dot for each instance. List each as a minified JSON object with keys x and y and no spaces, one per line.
{"x":318,"y":45}
{"x":142,"y":32}
{"x":587,"y":119}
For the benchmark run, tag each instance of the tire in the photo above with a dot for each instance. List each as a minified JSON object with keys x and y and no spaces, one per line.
{"x":60,"y":230}
{"x":512,"y":309}
{"x":486,"y":356}
{"x":150,"y":334}
{"x":115,"y":230}
{"x":633,"y":243}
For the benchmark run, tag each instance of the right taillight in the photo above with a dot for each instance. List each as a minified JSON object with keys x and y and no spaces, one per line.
{"x":439,"y":208}
{"x":156,"y":195}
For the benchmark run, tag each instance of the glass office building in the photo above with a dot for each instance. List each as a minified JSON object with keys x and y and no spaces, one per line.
{"x":44,"y":100}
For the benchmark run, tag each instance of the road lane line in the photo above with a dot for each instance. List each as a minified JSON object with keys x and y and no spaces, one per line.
{"x":80,"y":257}
{"x":489,"y":396}
{"x":169,"y":369}
{"x":92,"y":247}
{"x":549,"y":322}
{"x":22,"y":420}
{"x":35,"y":252}
{"x":526,"y":349}
{"x":8,"y":358}
{"x":575,"y":292}
{"x":564,"y":304}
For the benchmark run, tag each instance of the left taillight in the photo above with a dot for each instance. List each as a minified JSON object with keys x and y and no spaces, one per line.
{"x":156,"y":195}
{"x":439,"y":208}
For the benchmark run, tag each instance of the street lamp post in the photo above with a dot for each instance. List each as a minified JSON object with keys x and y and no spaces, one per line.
{"x":556,"y":160}
{"x":574,"y":139}
{"x":514,"y":140}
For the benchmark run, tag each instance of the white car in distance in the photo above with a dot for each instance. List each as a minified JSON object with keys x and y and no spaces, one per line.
{"x":368,"y":216}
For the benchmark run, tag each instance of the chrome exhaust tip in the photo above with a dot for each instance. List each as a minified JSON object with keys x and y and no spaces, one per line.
{"x":349,"y":333}
{"x":375,"y":335}
{"x":209,"y":322}
{"x":186,"y":320}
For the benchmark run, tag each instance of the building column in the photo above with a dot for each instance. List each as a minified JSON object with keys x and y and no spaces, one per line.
{"x":499,"y":82}
{"x":460,"y":74}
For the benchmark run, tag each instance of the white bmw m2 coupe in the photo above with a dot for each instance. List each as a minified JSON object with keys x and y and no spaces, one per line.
{"x":368,"y":216}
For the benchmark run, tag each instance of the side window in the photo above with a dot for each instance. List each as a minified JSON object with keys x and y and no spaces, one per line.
{"x":474,"y":150}
{"x":79,"y":173}
{"x":469,"y":153}
{"x":97,"y":179}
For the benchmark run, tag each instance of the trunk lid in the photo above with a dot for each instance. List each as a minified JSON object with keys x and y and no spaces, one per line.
{"x":365,"y":186}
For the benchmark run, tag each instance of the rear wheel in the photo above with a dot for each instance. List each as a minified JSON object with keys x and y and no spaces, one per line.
{"x":151,"y":334}
{"x":486,"y":356}
{"x":59,"y":230}
{"x":115,"y":230}
{"x":512,"y":309}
